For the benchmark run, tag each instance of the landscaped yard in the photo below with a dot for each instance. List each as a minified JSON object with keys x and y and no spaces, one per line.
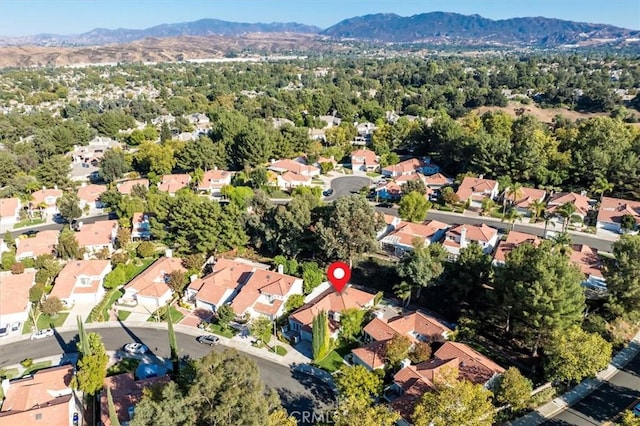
{"x":28,"y":222}
{"x":36,"y":366}
{"x":279,"y":350}
{"x":332,"y":362}
{"x":127,"y":365}
{"x":8,"y":373}
{"x":216,"y":329}
{"x":123,"y":315}
{"x":176,"y":315}
{"x":112,"y":297}
{"x":45,"y":321}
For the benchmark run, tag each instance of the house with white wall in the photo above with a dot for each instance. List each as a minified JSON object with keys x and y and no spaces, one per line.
{"x":474,"y":190}
{"x":401,"y":239}
{"x":213,"y":181}
{"x":81,"y":281}
{"x":150,"y":289}
{"x":461,"y":236}
{"x":96,"y":237}
{"x":612,"y":210}
{"x":14,"y":298}
{"x":9,"y":212}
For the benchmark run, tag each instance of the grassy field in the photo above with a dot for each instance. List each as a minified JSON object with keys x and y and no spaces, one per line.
{"x":176,"y":315}
{"x":279,"y":350}
{"x":45,"y":321}
{"x":28,"y":222}
{"x":123,"y":315}
{"x":115,"y":295}
{"x":332,"y":362}
{"x":36,"y":366}
{"x":216,"y":329}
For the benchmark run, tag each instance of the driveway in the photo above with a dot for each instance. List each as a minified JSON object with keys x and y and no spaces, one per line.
{"x":348,"y":185}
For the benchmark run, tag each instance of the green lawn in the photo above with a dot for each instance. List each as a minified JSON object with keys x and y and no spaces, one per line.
{"x":216,"y":329}
{"x":132,"y":270}
{"x":123,"y":315}
{"x":332,"y":362}
{"x":36,"y":366}
{"x":8,"y":373}
{"x":112,"y":297}
{"x":176,"y":315}
{"x":45,"y":321}
{"x":127,"y":365}
{"x":28,"y":222}
{"x":279,"y":350}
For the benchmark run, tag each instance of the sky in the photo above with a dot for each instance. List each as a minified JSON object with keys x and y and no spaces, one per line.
{"x":26,"y":17}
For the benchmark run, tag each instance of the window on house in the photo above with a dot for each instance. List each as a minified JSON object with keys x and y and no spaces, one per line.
{"x":85,"y":281}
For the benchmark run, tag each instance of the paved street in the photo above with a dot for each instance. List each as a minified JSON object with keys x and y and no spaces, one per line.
{"x":344,"y":186}
{"x":49,"y":226}
{"x":299,"y":392}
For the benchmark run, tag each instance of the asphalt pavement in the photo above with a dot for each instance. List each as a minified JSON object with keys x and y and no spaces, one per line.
{"x":58,"y":226}
{"x":347,"y":185}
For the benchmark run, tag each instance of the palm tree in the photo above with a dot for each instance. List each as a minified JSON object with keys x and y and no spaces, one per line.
{"x":403,"y":292}
{"x":537,"y":209}
{"x":547,"y":219}
{"x":562,"y":241}
{"x":567,"y":211}
{"x":511,"y":216}
{"x":487,"y":205}
{"x":511,"y":195}
{"x":600,"y":186}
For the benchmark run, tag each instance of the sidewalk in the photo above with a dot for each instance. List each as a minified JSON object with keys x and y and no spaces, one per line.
{"x":582,"y":390}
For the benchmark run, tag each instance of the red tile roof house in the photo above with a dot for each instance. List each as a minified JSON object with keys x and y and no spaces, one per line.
{"x":613,"y":209}
{"x":437,"y":181}
{"x":364,"y":160}
{"x":291,"y":180}
{"x":213,"y":181}
{"x":474,"y":190}
{"x":14,"y":297}
{"x":389,"y":191}
{"x":9,"y":212}
{"x":173,"y":183}
{"x":44,"y":242}
{"x":44,"y":398}
{"x":265,"y":293}
{"x":46,"y":199}
{"x":150,"y":288}
{"x":513,"y":240}
{"x":590,"y":264}
{"x":81,"y":281}
{"x":391,"y":223}
{"x":460,"y":236}
{"x":126,"y":392}
{"x":333,"y":303}
{"x":581,"y":202}
{"x":220,"y":286}
{"x":125,"y":187}
{"x":293,"y":166}
{"x":89,"y":195}
{"x":95,"y":237}
{"x":410,"y":167}
{"x":524,"y":198}
{"x":401,"y":239}
{"x":140,"y":227}
{"x":413,"y":380}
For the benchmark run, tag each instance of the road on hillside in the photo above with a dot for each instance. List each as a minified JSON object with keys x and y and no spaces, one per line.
{"x":299,"y":392}
{"x":610,"y":399}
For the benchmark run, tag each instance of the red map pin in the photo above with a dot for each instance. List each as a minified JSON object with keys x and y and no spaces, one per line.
{"x":339,"y":274}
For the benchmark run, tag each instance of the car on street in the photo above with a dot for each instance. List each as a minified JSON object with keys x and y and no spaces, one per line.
{"x":207,"y":339}
{"x":636,"y":410}
{"x":41,"y":334}
{"x":328,"y":192}
{"x":135,"y":348}
{"x":4,"y":331}
{"x":30,"y":233}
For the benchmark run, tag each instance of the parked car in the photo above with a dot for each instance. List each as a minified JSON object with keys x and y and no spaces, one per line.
{"x":636,"y":410}
{"x":30,"y":233}
{"x":4,"y":331}
{"x":41,"y":334}
{"x":208,"y":339}
{"x":136,"y":348}
{"x":328,"y":192}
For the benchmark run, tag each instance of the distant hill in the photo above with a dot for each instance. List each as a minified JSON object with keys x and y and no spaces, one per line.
{"x":202,"y":27}
{"x":442,"y":27}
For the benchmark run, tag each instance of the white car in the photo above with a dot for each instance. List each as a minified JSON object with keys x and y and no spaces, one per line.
{"x":136,"y":348}
{"x":41,"y":334}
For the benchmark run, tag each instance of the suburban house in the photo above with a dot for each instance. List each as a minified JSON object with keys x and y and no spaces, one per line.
{"x":474,"y":190}
{"x":9,"y":211}
{"x":279,"y":122}
{"x":161,"y":119}
{"x":364,"y":160}
{"x":213,"y":181}
{"x":289,"y":180}
{"x":125,"y":187}
{"x":42,"y":398}
{"x":410,"y":167}
{"x":199,"y":120}
{"x":173,"y":183}
{"x":513,"y":240}
{"x":389,"y":191}
{"x":331,"y":302}
{"x":85,"y":159}
{"x":402,"y":238}
{"x":612,"y":210}
{"x":150,"y":288}
{"x":265,"y":293}
{"x":580,"y":201}
{"x":437,"y":181}
{"x":140,"y":227}
{"x":413,"y":380}
{"x":523,"y":199}
{"x":126,"y":392}
{"x":45,"y":199}
{"x":44,"y":242}
{"x":590,"y":264}
{"x":81,"y":281}
{"x":391,"y":223}
{"x":95,"y":237}
{"x":14,"y":298}
{"x":293,"y":166}
{"x":89,"y":195}
{"x":220,"y":286}
{"x":460,"y":236}
{"x":331,"y":121}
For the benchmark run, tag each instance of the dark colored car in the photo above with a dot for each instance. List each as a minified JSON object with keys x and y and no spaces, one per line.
{"x":30,"y":233}
{"x":328,"y":192}
{"x":207,"y":339}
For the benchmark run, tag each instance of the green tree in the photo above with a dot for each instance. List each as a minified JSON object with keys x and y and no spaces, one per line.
{"x":225,"y":315}
{"x":628,"y":222}
{"x":8,"y":239}
{"x":422,"y":265}
{"x":537,"y":208}
{"x":177,"y":281}
{"x":352,"y":411}
{"x":403,"y":291}
{"x":115,"y":278}
{"x":146,"y":249}
{"x":358,"y":383}
{"x":68,"y":247}
{"x":154,"y":158}
{"x":293,"y":303}
{"x":467,"y":275}
{"x":414,"y":207}
{"x":113,"y":165}
{"x":514,"y":390}
{"x":165,"y":132}
{"x":54,"y":172}
{"x":629,"y":419}
{"x":167,"y":405}
{"x":566,"y":211}
{"x":35,"y":293}
{"x":600,"y":186}
{"x":312,"y":276}
{"x":69,"y":206}
{"x":455,"y":402}
{"x":320,"y":338}
{"x":420,"y":352}
{"x":52,"y":306}
{"x":397,"y":349}
{"x":199,"y":154}
{"x":92,"y":367}
{"x":253,"y":145}
{"x":47,"y":268}
{"x":261,"y":329}
{"x":8,"y":259}
{"x":351,"y":323}
{"x":574,"y":354}
{"x":623,"y":276}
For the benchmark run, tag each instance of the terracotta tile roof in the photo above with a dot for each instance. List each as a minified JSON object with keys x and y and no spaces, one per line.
{"x":411,"y":165}
{"x":226,"y":275}
{"x":40,"y":196}
{"x":364,"y":156}
{"x":261,"y":282}
{"x":125,"y":392}
{"x":126,"y":186}
{"x":214,"y":179}
{"x":91,"y":193}
{"x":173,"y":183}
{"x":14,"y":291}
{"x":471,"y":185}
{"x":473,"y":366}
{"x":295,"y":177}
{"x":65,"y":283}
{"x":379,"y":330}
{"x":266,"y":309}
{"x":294,"y":167}
{"x":151,"y":282}
{"x":372,"y":354}
{"x":48,"y":386}
{"x":438,"y":179}
{"x":98,"y":233}
{"x":526,"y":196}
{"x":9,"y":207}
{"x":406,"y":232}
{"x":587,"y":259}
{"x":514,"y":239}
{"x":408,"y":325}
{"x":580,"y":201}
{"x":392,"y":188}
{"x":474,"y":232}
{"x":44,"y":242}
{"x":331,"y":301}
{"x":613,"y":209}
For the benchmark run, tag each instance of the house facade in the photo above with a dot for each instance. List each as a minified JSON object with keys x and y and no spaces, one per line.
{"x":9,"y":211}
{"x":173,"y":183}
{"x":579,"y":201}
{"x":473,"y":190}
{"x":81,"y":281}
{"x":364,"y":161}
{"x":213,"y":181}
{"x":45,"y":199}
{"x":96,"y":237}
{"x":590,"y":264}
{"x":14,"y":298}
{"x":513,"y":240}
{"x":461,"y":236}
{"x":410,"y":167}
{"x":524,"y":198}
{"x":127,"y":186}
{"x":140,"y":227}
{"x":89,"y":196}
{"x":401,"y":239}
{"x":44,"y":242}
{"x":150,"y":288}
{"x":612,"y":210}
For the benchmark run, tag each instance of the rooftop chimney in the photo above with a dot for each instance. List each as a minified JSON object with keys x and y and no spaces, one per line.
{"x":168,"y":253}
{"x":463,"y":236}
{"x":281,"y":269}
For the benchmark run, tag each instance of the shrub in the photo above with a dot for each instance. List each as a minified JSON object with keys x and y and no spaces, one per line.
{"x":115,"y":278}
{"x":8,"y":259}
{"x":17,"y":268}
{"x":119,"y":258}
{"x":26,"y":363}
{"x":29,"y":262}
{"x":146,"y":249}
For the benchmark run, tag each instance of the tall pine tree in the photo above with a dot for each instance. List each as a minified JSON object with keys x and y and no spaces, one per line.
{"x":320,"y":342}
